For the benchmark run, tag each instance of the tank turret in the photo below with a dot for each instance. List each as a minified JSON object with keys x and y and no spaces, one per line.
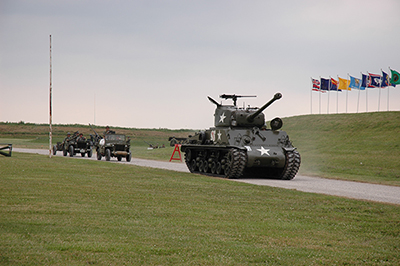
{"x":233,"y":116}
{"x":241,"y":145}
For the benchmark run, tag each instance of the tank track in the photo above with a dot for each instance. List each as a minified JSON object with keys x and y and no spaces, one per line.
{"x":223,"y":162}
{"x":231,"y":163}
{"x":292,"y":166}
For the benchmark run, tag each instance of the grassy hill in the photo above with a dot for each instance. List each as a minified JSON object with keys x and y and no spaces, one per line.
{"x":362,"y":147}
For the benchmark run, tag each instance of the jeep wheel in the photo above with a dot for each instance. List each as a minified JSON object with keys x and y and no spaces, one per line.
{"x":71,"y":151}
{"x":90,"y":153}
{"x":129,"y":157}
{"x":108,"y":155}
{"x":98,"y":155}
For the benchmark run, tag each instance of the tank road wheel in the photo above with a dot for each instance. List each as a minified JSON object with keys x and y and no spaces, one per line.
{"x":235,"y":163}
{"x":108,"y":154}
{"x":205,"y":166}
{"x":193,"y":166}
{"x":201,"y":166}
{"x":292,"y":165}
{"x":218,"y":171}
{"x":213,"y":167}
{"x":71,"y":151}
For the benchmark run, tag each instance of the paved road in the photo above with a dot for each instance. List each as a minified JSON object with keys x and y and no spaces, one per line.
{"x":348,"y":189}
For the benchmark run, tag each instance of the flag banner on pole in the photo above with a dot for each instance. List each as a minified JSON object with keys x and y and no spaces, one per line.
{"x":317,"y":85}
{"x":355,"y":83}
{"x":395,"y":79}
{"x":324,"y":84}
{"x":376,"y":81}
{"x":385,"y":80}
{"x":334,"y":85}
{"x":365,"y":81}
{"x":344,"y":84}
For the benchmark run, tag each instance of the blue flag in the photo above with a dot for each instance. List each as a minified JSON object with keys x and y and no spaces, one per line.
{"x":355,"y":83}
{"x":365,"y":81}
{"x":324,"y":84}
{"x":385,"y":80}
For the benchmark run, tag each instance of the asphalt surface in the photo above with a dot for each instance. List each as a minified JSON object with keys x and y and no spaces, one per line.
{"x":348,"y":189}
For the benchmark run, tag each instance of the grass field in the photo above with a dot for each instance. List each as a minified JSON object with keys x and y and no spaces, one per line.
{"x":361,"y":147}
{"x":81,"y":212}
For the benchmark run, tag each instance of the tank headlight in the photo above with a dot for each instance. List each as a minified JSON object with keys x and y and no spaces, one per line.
{"x":276,"y":123}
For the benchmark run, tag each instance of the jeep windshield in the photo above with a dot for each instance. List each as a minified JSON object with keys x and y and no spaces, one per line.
{"x":114,"y":137}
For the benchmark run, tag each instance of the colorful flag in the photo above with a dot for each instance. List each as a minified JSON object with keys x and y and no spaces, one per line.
{"x":365,"y":81}
{"x":325,"y":84}
{"x":355,"y":83}
{"x":334,"y":85}
{"x":385,"y":80}
{"x":376,"y":80}
{"x":395,"y":79}
{"x":344,"y":84}
{"x":315,"y":84}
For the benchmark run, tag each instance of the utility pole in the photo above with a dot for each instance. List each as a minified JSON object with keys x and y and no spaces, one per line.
{"x":50,"y":97}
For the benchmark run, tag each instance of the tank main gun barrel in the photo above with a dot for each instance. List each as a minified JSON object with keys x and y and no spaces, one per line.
{"x":277,"y":96}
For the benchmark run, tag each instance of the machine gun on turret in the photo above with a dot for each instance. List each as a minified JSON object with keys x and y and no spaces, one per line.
{"x":234,"y":97}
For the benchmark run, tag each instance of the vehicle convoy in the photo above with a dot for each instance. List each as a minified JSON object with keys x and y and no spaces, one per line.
{"x":240,"y":144}
{"x":75,"y":144}
{"x":112,"y":145}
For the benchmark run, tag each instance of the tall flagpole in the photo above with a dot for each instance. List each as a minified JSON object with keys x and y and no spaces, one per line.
{"x":311,"y":94}
{"x":320,"y":84}
{"x":337,"y":97}
{"x":359,"y":90}
{"x":50,"y":99}
{"x":366,"y":92}
{"x":347,"y":91}
{"x":380,"y":88}
{"x":388,"y":92}
{"x":329,"y":92}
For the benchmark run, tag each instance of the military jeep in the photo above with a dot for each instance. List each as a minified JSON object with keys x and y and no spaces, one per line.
{"x":114,"y":145}
{"x":77,"y":144}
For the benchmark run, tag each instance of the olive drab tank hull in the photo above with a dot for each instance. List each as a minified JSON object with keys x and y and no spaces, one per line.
{"x":240,"y":145}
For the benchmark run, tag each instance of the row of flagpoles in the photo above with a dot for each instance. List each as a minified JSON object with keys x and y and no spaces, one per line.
{"x":366,"y":81}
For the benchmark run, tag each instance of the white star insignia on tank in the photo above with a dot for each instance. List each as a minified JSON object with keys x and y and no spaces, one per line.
{"x":263,"y":151}
{"x":222,"y":118}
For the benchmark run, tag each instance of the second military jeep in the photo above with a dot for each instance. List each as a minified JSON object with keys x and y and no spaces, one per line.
{"x":74,"y":145}
{"x":114,"y":145}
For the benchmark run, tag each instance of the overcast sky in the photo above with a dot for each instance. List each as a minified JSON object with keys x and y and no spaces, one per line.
{"x":152,"y":64}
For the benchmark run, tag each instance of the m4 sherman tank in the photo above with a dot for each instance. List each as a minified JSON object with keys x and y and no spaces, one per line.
{"x":240,"y":145}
